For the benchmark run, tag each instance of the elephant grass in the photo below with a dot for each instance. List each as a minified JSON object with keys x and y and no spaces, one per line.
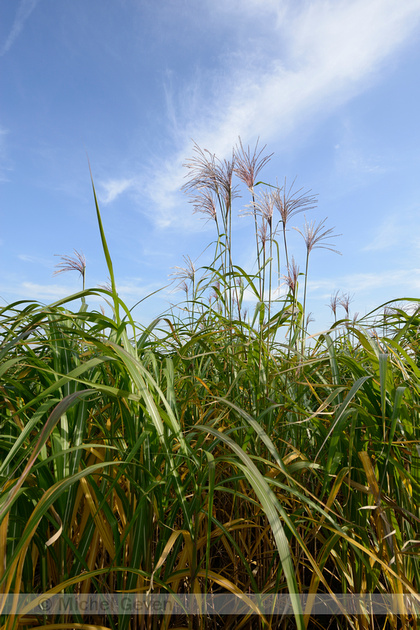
{"x":205,"y":456}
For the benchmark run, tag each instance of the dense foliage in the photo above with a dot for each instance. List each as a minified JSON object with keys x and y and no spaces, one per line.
{"x":212,"y":452}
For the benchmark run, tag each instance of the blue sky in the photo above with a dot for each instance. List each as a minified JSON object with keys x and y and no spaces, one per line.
{"x":331,"y":87}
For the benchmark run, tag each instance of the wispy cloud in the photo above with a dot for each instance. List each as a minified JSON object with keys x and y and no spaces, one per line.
{"x":393,"y":280}
{"x":113,"y":188}
{"x":354,"y":157}
{"x":387,"y":235}
{"x":354,"y":160}
{"x":49,"y":292}
{"x":306,"y":62}
{"x":38,"y":260}
{"x":130,"y":290}
{"x":24,"y":10}
{"x":397,"y":231}
{"x":136,"y":289}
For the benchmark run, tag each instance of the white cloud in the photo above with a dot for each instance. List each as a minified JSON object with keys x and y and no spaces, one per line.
{"x":50,"y":292}
{"x":129,"y":289}
{"x":163,"y":187}
{"x":25,"y":9}
{"x":316,"y":57}
{"x":333,"y":47}
{"x":113,"y":188}
{"x":398,"y":280}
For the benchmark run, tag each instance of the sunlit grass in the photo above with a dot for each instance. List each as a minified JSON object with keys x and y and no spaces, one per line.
{"x":215,"y":451}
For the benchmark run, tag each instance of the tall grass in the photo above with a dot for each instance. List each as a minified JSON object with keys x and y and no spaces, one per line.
{"x":216,"y":451}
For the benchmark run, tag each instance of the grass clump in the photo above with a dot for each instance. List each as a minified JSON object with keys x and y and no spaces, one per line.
{"x":216,"y":451}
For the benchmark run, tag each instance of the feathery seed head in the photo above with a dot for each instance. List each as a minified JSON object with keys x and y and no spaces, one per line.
{"x":309,"y":319}
{"x":262,"y":232}
{"x":202,"y":170}
{"x":316,"y":237}
{"x":334,"y":302}
{"x":204,"y":202}
{"x":266,"y":207}
{"x":263,"y":205}
{"x":71,"y":263}
{"x":212,"y":179}
{"x":289,"y":202}
{"x":185,"y":273}
{"x":345,"y":300}
{"x":248,"y":165}
{"x":206,"y":172}
{"x":292,"y":276}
